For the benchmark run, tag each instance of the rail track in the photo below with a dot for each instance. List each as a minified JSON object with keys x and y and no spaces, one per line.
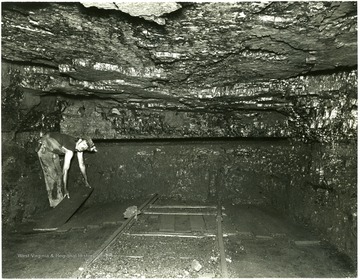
{"x":177,"y":221}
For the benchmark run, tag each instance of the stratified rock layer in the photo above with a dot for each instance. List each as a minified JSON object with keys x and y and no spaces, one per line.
{"x":202,"y":46}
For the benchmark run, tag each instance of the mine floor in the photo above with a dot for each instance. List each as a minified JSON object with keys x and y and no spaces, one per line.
{"x":171,"y":240}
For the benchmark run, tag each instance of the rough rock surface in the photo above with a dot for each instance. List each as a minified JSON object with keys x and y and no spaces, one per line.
{"x":208,"y":57}
{"x":148,"y":10}
{"x":202,"y":46}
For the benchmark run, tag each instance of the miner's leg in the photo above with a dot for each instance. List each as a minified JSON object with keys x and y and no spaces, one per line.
{"x":58,"y":171}
{"x":50,"y":164}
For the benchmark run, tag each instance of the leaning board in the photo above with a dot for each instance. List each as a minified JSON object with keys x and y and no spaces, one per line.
{"x":59,"y":215}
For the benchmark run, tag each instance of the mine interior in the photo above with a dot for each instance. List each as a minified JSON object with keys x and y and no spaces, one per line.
{"x":226,"y":138}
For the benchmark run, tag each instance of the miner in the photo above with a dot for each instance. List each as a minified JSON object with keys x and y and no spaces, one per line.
{"x":53,"y":144}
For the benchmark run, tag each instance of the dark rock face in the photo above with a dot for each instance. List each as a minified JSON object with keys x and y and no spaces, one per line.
{"x":211,"y":57}
{"x":315,"y":183}
{"x":191,"y":70}
{"x":203,"y":46}
{"x":22,"y":179}
{"x":331,"y":196}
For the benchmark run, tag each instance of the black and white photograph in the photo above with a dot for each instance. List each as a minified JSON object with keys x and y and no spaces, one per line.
{"x":179,"y":140}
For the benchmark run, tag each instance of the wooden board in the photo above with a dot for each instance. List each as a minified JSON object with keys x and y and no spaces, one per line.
{"x":197,"y":223}
{"x":167,"y":223}
{"x":59,"y":215}
{"x":153,"y":222}
{"x":210,"y":224}
{"x":182,"y":224}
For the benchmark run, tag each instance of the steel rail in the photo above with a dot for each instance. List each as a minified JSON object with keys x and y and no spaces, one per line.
{"x":183,"y":206}
{"x":224,"y":270}
{"x":110,"y":240}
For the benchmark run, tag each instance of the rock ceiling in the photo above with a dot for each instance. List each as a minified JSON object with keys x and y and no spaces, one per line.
{"x":185,"y":55}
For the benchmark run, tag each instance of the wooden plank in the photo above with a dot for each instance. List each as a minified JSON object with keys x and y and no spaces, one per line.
{"x":210,"y":224}
{"x":59,"y":215}
{"x":197,"y":223}
{"x":153,"y":223}
{"x":167,"y":223}
{"x":182,"y":224}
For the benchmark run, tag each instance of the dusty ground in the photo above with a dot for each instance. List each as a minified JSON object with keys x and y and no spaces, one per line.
{"x":154,"y":257}
{"x":49,"y":255}
{"x":257,"y":244}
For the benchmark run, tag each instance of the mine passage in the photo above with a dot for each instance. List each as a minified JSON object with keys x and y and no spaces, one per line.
{"x":179,"y":140}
